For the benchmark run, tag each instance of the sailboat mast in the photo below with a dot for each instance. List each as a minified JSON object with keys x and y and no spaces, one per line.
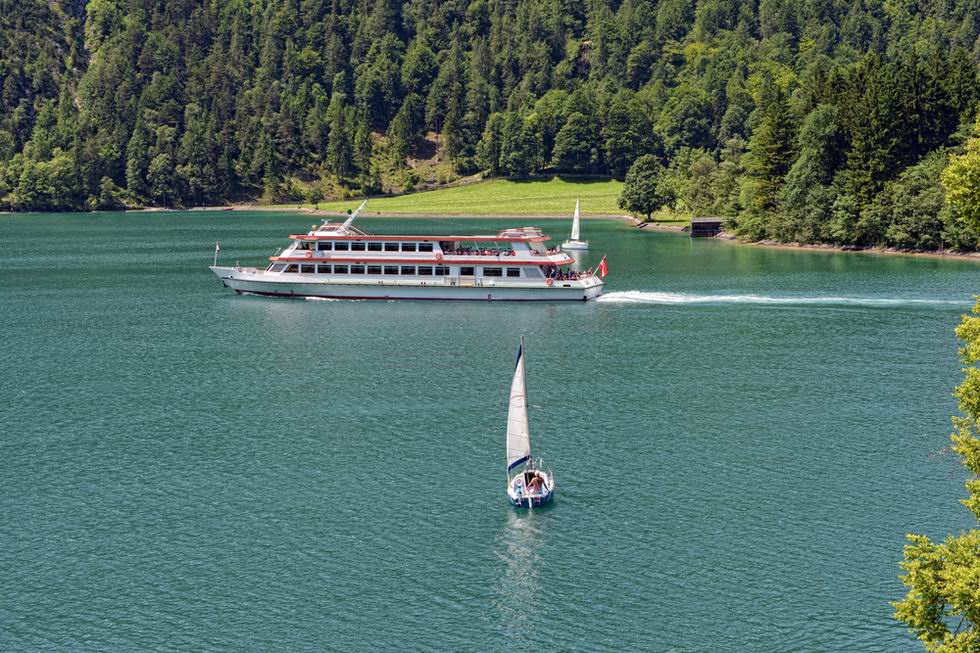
{"x":527,"y":403}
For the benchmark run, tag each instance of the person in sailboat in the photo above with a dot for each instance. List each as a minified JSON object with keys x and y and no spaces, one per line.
{"x":533,"y":482}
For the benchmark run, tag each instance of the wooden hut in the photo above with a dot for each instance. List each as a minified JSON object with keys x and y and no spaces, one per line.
{"x":705,"y":227}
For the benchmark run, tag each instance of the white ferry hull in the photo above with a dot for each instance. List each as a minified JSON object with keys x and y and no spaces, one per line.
{"x":260,"y":282}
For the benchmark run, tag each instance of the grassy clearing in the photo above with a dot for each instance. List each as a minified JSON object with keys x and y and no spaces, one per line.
{"x":499,"y":197}
{"x":665,"y":218}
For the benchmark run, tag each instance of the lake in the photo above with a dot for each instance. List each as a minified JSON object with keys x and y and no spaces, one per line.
{"x":740,"y":437}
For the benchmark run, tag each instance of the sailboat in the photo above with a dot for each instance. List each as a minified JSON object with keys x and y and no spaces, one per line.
{"x":574,"y":242}
{"x":527,"y":485}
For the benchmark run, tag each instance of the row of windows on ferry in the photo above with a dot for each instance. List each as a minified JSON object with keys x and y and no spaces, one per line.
{"x":361,"y":246}
{"x":402,"y":270}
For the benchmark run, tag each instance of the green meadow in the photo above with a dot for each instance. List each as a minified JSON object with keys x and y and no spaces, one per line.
{"x":499,"y":197}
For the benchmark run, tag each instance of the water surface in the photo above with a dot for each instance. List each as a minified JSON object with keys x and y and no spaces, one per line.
{"x":740,"y":436}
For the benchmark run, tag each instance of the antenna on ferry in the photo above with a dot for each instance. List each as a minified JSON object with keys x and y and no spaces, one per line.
{"x":351,"y":216}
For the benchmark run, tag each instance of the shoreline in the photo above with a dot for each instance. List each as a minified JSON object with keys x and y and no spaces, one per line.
{"x":854,"y":249}
{"x":416,"y":216}
{"x":637,"y":223}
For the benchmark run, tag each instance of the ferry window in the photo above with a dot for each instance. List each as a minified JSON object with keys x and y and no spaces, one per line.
{"x":324,"y":246}
{"x":391,"y":247}
{"x":391,"y":269}
{"x":293,"y":268}
{"x":408,"y":247}
{"x":324,"y":269}
{"x":357,"y":269}
{"x":374,"y":247}
{"x":408,"y":269}
{"x":303,"y":245}
{"x":357,"y":246}
{"x":532,"y":273}
{"x":513,"y":272}
{"x":374,"y":269}
{"x":466,"y":272}
{"x":341,"y":247}
{"x":425,"y":247}
{"x":277,"y":267}
{"x":340,"y":269}
{"x":442,"y":271}
{"x":425,"y":270}
{"x":493,"y":272}
{"x":308,"y":269}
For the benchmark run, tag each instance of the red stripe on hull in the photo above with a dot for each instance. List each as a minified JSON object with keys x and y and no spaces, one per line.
{"x":423,"y":239}
{"x":476,"y":260}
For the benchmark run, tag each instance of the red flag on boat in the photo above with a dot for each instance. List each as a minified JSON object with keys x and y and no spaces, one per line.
{"x":603,"y":269}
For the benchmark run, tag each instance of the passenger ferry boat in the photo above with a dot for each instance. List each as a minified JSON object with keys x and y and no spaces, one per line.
{"x":338,"y":260}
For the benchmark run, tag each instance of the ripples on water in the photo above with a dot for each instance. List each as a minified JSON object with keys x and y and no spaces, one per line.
{"x":187,"y":469}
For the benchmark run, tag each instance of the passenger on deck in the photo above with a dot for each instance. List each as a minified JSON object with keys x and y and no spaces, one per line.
{"x":536,"y":485}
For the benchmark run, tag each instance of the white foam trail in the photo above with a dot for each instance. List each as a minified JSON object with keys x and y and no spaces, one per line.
{"x":641,"y":297}
{"x":322,"y":299}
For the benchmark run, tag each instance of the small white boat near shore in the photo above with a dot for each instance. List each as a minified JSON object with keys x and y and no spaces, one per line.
{"x":574,"y":242}
{"x":528,"y":486}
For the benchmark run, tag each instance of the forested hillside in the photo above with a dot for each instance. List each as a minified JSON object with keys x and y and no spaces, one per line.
{"x":810,"y":120}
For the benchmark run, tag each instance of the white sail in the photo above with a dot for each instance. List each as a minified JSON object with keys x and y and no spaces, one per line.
{"x":518,"y":432}
{"x":575,"y":223}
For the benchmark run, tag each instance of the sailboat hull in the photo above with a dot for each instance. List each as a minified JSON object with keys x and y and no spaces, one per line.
{"x":575,"y":244}
{"x":519,"y":498}
{"x":536,"y":502}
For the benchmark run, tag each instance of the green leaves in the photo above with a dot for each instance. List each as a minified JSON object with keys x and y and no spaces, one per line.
{"x":942,"y":606}
{"x":576,"y":145}
{"x":241,"y":97}
{"x":644,"y":190}
{"x":962,"y":181}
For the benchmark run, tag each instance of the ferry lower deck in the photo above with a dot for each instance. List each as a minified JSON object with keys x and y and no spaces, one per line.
{"x":447,"y":288}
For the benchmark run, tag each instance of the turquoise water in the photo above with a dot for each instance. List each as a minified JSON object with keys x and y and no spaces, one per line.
{"x":740,"y":438}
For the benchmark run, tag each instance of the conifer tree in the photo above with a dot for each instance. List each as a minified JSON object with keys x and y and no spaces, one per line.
{"x":770,"y":151}
{"x":575,"y":145}
{"x":869,"y":112}
{"x":489,"y":148}
{"x":407,"y":128}
{"x":363,"y":147}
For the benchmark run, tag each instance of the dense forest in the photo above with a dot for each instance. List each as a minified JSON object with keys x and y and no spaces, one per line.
{"x":804,"y":120}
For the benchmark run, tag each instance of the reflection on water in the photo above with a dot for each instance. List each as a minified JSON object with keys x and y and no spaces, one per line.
{"x":519,"y":588}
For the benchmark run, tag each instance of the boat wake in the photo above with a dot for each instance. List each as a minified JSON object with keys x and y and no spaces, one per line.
{"x":642,"y":297}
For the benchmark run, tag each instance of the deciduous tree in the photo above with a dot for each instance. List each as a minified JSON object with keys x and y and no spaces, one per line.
{"x":961,"y":179}
{"x":942,"y":606}
{"x":644,"y":190}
